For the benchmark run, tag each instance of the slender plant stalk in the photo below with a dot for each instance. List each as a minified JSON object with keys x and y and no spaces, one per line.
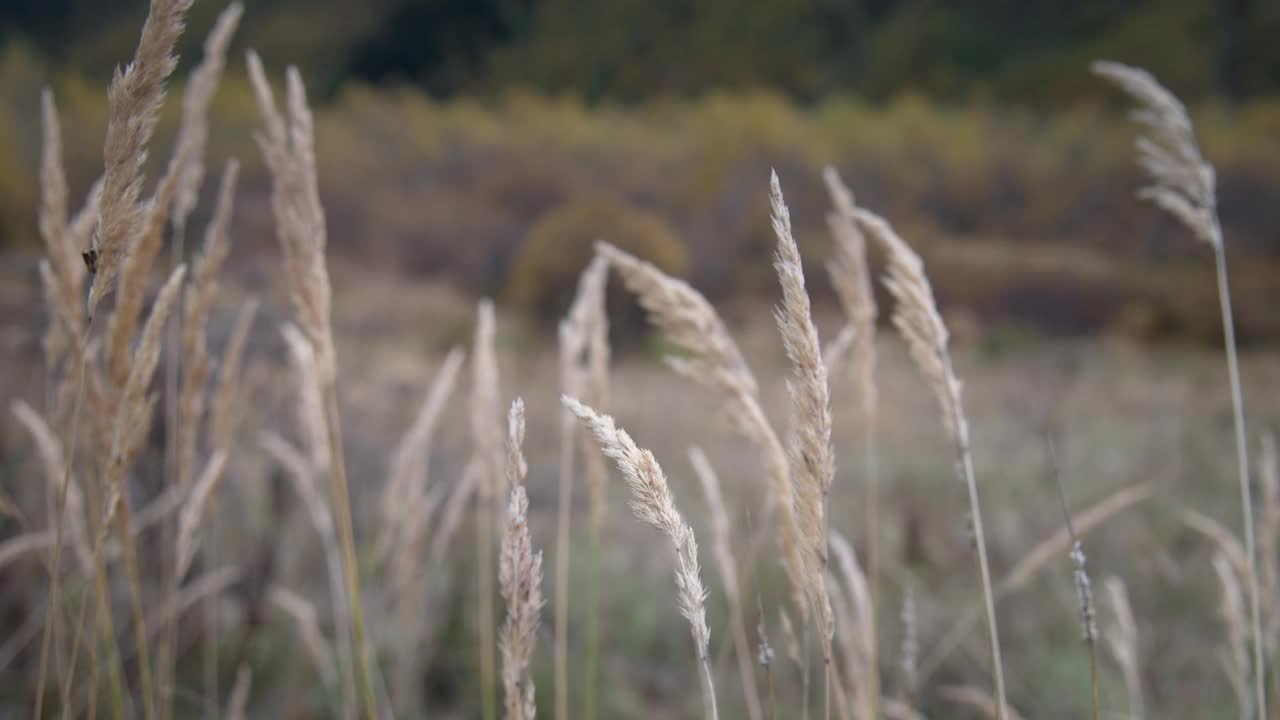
{"x":590,"y":669}
{"x":1242,"y":463}
{"x":129,"y":554}
{"x":1184,"y":184}
{"x":484,"y":608}
{"x":563,"y":535}
{"x":60,"y":502}
{"x":341,"y":500}
{"x":988,"y":597}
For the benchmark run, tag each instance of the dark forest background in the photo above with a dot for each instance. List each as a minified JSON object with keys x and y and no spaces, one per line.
{"x":1019,"y":51}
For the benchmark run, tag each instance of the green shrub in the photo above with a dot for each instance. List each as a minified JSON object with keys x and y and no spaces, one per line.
{"x":562,"y":242}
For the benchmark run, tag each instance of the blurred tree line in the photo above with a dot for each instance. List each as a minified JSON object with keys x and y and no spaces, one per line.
{"x":1027,"y":51}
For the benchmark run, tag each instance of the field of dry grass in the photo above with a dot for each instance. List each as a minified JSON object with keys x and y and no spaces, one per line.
{"x":283,"y":485}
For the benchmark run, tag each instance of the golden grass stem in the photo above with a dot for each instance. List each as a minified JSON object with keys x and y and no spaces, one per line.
{"x":55,"y":564}
{"x":340,"y":498}
{"x":563,"y":536}
{"x":1242,"y":465}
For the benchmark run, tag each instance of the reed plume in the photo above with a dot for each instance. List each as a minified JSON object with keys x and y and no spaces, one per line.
{"x":1183,"y":184}
{"x":520,"y":581}
{"x":652,"y":502}
{"x":917,"y":319}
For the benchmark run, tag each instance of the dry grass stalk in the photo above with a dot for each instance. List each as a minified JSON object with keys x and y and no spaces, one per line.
{"x":1226,"y":542}
{"x":133,"y":106}
{"x":306,"y":622}
{"x":850,"y":274}
{"x":454,"y":509}
{"x":1183,"y":184}
{"x":54,"y":464}
{"x":1234,"y":658}
{"x":133,"y":414}
{"x":722,"y":551}
{"x":289,"y":152}
{"x":63,"y":256}
{"x":764,"y":655}
{"x":408,"y":478}
{"x":1122,"y":640}
{"x":809,"y":452}
{"x":978,"y":699}
{"x":715,"y":362}
{"x":1269,"y":477}
{"x":909,"y":647}
{"x":288,"y":148}
{"x":200,"y":294}
{"x":856,"y":628}
{"x":304,"y":477}
{"x":917,"y":319}
{"x":652,"y":502}
{"x":193,"y":131}
{"x":309,"y":410}
{"x":62,"y":278}
{"x":224,"y":415}
{"x":1043,"y":555}
{"x":487,"y":439}
{"x":584,"y":358}
{"x":194,"y":509}
{"x":239,"y":700}
{"x":132,"y":423}
{"x":519,"y":580}
{"x":134,"y":272}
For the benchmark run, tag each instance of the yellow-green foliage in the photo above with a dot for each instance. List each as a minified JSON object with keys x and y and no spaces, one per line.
{"x":561,"y":244}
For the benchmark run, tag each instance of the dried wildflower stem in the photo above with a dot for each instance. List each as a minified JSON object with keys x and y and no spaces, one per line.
{"x":652,"y":502}
{"x":1184,"y":185}
{"x":916,"y":317}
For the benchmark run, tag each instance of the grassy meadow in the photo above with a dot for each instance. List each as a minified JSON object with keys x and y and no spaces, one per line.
{"x":261,"y":454}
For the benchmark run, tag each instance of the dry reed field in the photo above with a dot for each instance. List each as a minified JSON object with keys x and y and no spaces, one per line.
{"x":242,"y":486}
